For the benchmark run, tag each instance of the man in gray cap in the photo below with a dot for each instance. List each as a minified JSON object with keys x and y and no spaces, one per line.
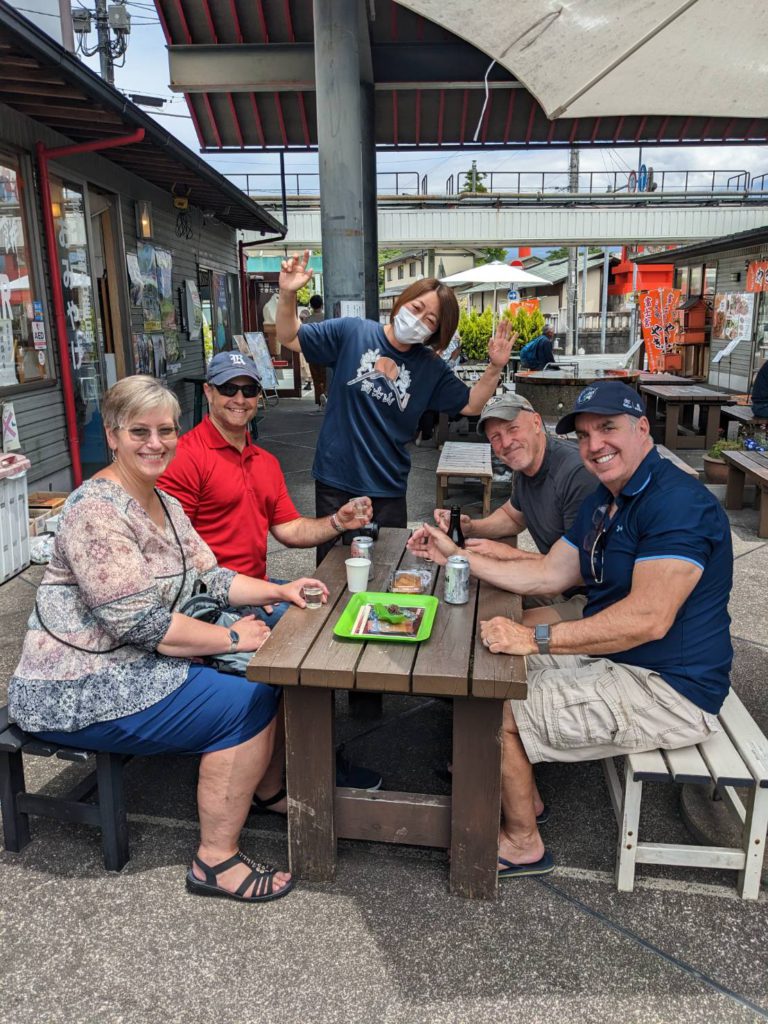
{"x":549,"y":484}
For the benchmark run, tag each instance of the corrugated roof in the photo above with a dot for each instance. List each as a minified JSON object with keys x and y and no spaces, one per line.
{"x":42,"y":80}
{"x":739,"y":240}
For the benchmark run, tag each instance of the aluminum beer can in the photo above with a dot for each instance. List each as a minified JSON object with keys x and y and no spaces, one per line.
{"x":361,"y":547}
{"x":457,"y":580}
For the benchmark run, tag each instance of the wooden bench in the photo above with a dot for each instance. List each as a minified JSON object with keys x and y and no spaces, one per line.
{"x":108,"y":813}
{"x":665,"y":453}
{"x":736,"y":758}
{"x":742,"y":414}
{"x":743,"y":466}
{"x":465,"y":460}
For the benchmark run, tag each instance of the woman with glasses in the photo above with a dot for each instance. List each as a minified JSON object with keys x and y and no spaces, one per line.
{"x":111,"y":663}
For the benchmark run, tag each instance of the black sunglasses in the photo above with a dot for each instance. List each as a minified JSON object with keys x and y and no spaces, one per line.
{"x":594,"y":542}
{"x":229,"y":390}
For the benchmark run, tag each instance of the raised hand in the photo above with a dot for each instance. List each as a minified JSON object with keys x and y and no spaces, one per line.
{"x":500,"y":345}
{"x":294,"y":273}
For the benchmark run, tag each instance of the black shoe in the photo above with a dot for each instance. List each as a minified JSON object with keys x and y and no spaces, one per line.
{"x":354,"y":776}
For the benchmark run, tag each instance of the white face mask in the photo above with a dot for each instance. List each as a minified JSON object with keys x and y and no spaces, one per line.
{"x":409,"y":330}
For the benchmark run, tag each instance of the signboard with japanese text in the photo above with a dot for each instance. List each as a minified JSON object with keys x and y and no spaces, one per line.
{"x":659,"y":324}
{"x":757,"y":276}
{"x":732,"y":316}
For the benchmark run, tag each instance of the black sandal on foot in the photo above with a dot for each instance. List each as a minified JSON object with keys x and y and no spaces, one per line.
{"x":262,"y":874}
{"x":259,"y":806}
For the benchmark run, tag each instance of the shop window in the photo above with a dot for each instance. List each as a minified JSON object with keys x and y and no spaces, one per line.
{"x":221,"y":310}
{"x":389,"y":273}
{"x":400,"y":272}
{"x":696,"y":281}
{"x":710,"y":279}
{"x":25,"y":348}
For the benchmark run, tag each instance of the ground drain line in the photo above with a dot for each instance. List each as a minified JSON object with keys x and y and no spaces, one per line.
{"x":682,"y":965}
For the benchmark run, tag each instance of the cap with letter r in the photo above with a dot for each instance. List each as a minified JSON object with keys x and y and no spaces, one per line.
{"x":603,"y":398}
{"x":227,"y":365}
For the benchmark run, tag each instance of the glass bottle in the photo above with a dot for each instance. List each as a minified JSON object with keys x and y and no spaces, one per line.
{"x":454,"y":528}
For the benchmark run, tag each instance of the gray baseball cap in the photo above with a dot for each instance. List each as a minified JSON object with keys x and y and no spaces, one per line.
{"x":502,"y":407}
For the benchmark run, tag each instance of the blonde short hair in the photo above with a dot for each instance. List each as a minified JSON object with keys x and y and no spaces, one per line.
{"x":132,"y":396}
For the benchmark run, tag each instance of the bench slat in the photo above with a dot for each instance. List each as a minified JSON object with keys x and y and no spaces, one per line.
{"x":746,"y":736}
{"x":670,"y":456}
{"x":722,"y":759}
{"x":686,"y":765}
{"x":648,"y":766}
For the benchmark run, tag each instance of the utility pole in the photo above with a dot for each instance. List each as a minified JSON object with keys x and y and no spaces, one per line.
{"x":105,"y":52}
{"x":571,"y":329}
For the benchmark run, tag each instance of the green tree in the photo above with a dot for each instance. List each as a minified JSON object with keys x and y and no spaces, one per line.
{"x":475,"y":330}
{"x":491,"y":254}
{"x":477,"y":186}
{"x":527,"y":325}
{"x":303,"y":295}
{"x":562,"y":252}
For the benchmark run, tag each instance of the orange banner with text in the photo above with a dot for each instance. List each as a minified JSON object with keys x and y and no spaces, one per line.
{"x":659,"y":324}
{"x":529,"y":305}
{"x":757,"y":276}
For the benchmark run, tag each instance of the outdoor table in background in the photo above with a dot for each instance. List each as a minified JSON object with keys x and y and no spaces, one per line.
{"x":677,"y":399}
{"x":305,"y":657}
{"x":646,"y":377}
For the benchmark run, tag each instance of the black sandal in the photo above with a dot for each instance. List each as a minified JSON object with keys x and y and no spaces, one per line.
{"x":259,"y":806}
{"x":262,"y":874}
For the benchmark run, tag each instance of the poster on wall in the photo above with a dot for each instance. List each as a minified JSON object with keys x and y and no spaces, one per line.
{"x":172,"y":351}
{"x":164,"y":261}
{"x":134,"y":276}
{"x":142,"y":355}
{"x":257,"y":347}
{"x":158,"y":352}
{"x":150,"y":297}
{"x":732,"y":316}
{"x":193,"y":310}
{"x":7,"y":364}
{"x":220,"y":312}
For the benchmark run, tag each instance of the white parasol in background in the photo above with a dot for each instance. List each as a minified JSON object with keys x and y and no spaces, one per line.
{"x":496,"y":275}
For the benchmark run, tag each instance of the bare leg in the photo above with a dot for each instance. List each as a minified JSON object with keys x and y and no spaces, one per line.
{"x":519,"y":839}
{"x":227,"y":782}
{"x":272,"y":782}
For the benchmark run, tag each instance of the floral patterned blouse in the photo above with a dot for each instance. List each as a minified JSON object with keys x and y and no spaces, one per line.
{"x":109,"y":588}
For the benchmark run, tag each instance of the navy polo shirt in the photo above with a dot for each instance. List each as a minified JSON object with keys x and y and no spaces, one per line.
{"x":663,"y":513}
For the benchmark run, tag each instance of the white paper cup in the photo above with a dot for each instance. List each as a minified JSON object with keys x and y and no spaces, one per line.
{"x":357,"y":574}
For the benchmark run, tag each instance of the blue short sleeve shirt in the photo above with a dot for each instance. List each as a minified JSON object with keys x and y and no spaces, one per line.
{"x":376,"y":400}
{"x":664,"y":513}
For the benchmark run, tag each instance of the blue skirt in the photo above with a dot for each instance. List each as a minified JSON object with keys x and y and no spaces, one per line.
{"x":209,"y":711}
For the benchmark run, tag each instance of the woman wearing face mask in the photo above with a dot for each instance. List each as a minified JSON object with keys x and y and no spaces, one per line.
{"x":384,"y":378}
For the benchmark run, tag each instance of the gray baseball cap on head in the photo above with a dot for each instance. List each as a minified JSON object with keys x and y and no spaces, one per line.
{"x":227,"y":365}
{"x":502,"y":407}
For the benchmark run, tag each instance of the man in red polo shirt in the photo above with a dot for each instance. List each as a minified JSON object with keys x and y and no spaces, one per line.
{"x":235,"y":494}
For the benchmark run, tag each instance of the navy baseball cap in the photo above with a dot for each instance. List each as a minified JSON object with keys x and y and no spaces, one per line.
{"x":605,"y":398}
{"x":227,"y":365}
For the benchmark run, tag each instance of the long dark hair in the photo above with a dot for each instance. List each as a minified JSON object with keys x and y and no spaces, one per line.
{"x":449,"y":309}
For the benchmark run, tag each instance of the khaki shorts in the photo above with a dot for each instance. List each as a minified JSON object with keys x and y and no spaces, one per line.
{"x":568,"y":609}
{"x":584,"y":709}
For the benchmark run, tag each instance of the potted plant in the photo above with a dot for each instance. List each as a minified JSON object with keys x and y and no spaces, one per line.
{"x":715,"y":466}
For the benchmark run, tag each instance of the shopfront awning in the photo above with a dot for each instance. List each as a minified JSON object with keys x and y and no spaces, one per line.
{"x":42,"y":80}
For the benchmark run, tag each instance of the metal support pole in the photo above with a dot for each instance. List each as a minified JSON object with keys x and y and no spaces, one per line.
{"x":584,"y":280}
{"x":604,"y":299}
{"x":370,"y":211}
{"x":102,"y":32}
{"x":572,"y":327}
{"x":339,"y":133}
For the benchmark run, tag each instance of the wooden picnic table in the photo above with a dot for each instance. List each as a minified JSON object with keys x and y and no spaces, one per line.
{"x":678,"y":402}
{"x":305,"y":657}
{"x":752,"y":466}
{"x":646,"y":377}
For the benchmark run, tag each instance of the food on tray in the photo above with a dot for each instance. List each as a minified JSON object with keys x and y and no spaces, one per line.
{"x":411,"y":581}
{"x":387,"y":620}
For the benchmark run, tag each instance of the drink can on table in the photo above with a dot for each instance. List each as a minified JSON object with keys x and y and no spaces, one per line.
{"x":362,"y":547}
{"x":457,"y":580}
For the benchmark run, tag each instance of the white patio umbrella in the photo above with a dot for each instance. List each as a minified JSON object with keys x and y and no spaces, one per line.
{"x":496,"y":275}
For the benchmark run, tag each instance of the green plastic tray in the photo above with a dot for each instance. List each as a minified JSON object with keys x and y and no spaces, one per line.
{"x":343,"y":627}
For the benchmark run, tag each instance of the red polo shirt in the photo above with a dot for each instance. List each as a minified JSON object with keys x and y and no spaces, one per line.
{"x":232,"y":497}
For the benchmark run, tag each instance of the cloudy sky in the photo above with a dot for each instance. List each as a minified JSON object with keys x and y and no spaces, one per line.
{"x":146,"y":72}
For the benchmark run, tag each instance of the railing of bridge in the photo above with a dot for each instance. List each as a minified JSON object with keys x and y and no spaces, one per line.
{"x":688,"y":182}
{"x":388,"y":183}
{"x":759,"y":183}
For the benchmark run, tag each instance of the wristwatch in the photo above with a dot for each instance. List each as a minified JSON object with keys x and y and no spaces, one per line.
{"x":542,"y":634}
{"x":234,"y":640}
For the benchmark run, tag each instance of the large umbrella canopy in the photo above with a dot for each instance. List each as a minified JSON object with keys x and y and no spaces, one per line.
{"x":495,"y":274}
{"x":602,"y":58}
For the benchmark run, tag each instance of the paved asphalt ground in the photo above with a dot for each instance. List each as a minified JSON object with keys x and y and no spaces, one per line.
{"x":385,"y":942}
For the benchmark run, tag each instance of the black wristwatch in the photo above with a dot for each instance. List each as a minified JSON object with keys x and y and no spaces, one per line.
{"x":234,"y":640}
{"x":542,"y":634}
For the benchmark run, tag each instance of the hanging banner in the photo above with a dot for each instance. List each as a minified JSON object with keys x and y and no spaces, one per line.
{"x":757,"y":276}
{"x":659,"y":324}
{"x":529,"y":305}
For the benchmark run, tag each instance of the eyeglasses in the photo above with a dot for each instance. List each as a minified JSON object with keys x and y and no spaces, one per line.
{"x":594,"y":543}
{"x":229,"y":390}
{"x":142,"y":434}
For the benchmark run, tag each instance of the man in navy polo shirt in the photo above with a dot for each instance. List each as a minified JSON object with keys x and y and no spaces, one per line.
{"x":648,"y":665}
